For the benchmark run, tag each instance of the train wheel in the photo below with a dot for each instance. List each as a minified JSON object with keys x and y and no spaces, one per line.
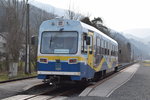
{"x":116,"y":69}
{"x":98,"y":76}
{"x":103,"y":73}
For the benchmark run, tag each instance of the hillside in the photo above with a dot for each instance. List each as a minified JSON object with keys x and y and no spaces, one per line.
{"x":142,"y":34}
{"x":37,"y":15}
{"x":49,"y":8}
{"x":141,"y":43}
{"x":65,"y":13}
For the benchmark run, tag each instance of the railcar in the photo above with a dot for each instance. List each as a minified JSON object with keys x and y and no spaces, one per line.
{"x":72,"y":50}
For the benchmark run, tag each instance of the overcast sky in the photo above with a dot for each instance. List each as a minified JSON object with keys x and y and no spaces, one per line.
{"x":120,"y":15}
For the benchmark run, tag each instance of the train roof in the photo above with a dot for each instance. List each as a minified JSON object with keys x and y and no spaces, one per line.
{"x":78,"y":24}
{"x":86,"y":26}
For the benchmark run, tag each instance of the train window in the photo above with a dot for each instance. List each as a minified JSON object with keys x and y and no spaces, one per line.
{"x":102,"y":50}
{"x":57,"y":42}
{"x":116,"y":53}
{"x":97,"y":43}
{"x":105,"y":51}
{"x":104,"y":47}
{"x":108,"y":51}
{"x":91,"y":45}
{"x":101,"y":43}
{"x":111,"y":52}
{"x":104,"y":44}
{"x":83,"y":44}
{"x":96,"y":46}
{"x":101,"y":47}
{"x":107,"y":48}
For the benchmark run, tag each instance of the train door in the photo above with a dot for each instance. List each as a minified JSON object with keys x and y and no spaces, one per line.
{"x":91,"y":50}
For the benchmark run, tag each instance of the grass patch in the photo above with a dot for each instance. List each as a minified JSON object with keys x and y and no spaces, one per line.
{"x":146,"y":61}
{"x":5,"y":77}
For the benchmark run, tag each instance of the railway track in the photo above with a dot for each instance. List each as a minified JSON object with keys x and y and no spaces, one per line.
{"x":55,"y":92}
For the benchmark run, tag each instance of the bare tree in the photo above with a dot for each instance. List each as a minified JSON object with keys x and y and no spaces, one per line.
{"x":37,"y":17}
{"x":72,"y":13}
{"x":15,"y":13}
{"x":14,"y":19}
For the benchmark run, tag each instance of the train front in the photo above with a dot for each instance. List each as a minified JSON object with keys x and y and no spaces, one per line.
{"x":58,"y":51}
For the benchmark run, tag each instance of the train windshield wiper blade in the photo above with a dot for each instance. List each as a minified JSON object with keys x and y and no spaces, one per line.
{"x":50,"y":42}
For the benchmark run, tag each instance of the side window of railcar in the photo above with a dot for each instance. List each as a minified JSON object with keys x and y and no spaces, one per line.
{"x":102,"y":46}
{"x":83,"y":44}
{"x":105,"y":48}
{"x":116,"y":51}
{"x":97,"y":50}
{"x":111,"y":50}
{"x":91,"y":45}
{"x":98,"y":45}
{"x":108,"y":48}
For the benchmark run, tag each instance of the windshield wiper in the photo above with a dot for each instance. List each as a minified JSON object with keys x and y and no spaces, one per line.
{"x":50,"y":42}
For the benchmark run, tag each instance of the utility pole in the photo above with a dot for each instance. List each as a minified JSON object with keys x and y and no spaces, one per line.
{"x":27,"y":62}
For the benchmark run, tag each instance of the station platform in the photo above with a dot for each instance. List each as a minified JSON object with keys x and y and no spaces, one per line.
{"x":131,"y":84}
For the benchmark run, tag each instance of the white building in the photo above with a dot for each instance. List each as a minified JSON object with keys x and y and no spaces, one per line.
{"x":2,"y":46}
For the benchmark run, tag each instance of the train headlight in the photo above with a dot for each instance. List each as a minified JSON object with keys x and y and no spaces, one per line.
{"x":73,"y":61}
{"x":43,"y":60}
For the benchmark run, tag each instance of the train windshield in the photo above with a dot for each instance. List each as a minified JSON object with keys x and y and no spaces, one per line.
{"x":59,"y":42}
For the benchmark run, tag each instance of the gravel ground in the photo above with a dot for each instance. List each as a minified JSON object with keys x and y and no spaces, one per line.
{"x":12,"y":88}
{"x":138,"y":88}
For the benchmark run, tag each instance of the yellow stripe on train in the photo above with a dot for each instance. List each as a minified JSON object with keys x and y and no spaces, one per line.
{"x":79,"y":58}
{"x":97,"y":68}
{"x":109,"y":65}
{"x":62,"y":58}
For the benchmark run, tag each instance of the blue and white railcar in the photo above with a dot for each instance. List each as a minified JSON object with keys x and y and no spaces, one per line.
{"x":69,"y":49}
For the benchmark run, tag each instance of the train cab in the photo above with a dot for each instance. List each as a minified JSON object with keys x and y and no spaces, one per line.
{"x":72,"y":50}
